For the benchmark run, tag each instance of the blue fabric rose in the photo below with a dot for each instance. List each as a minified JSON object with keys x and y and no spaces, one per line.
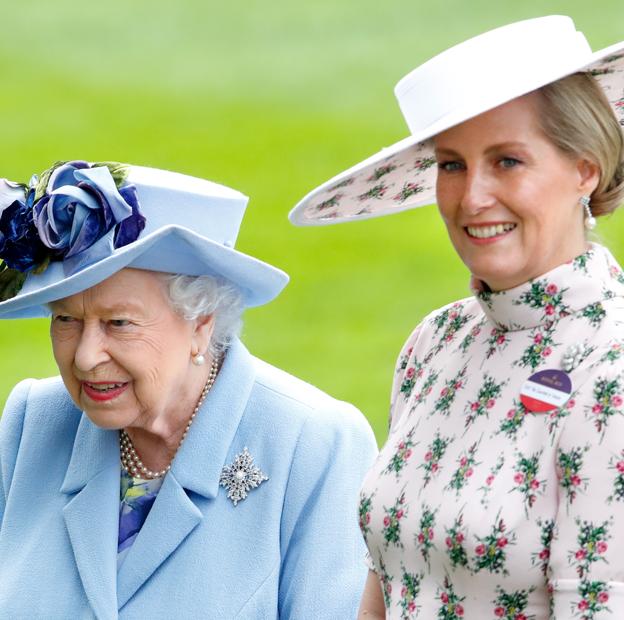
{"x":20,"y":245}
{"x":81,"y":205}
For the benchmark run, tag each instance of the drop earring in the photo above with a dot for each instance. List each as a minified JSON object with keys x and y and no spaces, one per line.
{"x":590,"y":220}
{"x":198,"y":359}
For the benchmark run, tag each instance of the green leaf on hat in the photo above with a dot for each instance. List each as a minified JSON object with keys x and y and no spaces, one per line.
{"x":44,"y":179}
{"x":118,"y":171}
{"x":11,"y":282}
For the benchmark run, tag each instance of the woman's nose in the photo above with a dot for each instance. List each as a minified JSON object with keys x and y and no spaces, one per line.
{"x":90,"y":351}
{"x":477,"y":195}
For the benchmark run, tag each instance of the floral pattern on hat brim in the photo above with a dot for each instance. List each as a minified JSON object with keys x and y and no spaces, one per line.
{"x":406,"y":178}
{"x":60,"y":215}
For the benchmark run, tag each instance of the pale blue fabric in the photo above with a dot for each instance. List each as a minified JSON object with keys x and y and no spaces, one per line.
{"x":292,"y":549}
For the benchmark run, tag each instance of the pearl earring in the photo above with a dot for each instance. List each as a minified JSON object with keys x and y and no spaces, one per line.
{"x":590,"y":220}
{"x":198,"y":359}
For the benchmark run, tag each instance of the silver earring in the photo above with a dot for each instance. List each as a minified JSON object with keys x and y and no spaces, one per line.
{"x":199,"y":359}
{"x":590,"y":220}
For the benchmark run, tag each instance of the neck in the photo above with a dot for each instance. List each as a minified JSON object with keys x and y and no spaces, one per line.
{"x":158,"y":441}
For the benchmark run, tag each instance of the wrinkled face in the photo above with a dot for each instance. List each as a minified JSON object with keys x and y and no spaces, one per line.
{"x":123,"y":353}
{"x":509,"y":197}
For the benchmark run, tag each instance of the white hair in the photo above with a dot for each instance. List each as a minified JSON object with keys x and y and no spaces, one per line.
{"x":195,"y":296}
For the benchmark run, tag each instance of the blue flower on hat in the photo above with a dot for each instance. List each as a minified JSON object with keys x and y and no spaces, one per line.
{"x":20,"y":245}
{"x":82,"y":204}
{"x":73,"y":206}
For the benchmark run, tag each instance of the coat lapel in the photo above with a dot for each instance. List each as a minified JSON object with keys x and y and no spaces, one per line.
{"x":196,"y":468}
{"x":92,"y":514}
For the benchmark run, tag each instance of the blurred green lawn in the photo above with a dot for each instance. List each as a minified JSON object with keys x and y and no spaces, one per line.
{"x":271,"y":98}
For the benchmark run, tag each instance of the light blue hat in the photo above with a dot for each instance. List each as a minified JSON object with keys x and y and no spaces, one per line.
{"x":80,"y":223}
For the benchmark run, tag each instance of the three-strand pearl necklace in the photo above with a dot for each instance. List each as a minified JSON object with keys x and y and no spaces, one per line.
{"x":131,"y":461}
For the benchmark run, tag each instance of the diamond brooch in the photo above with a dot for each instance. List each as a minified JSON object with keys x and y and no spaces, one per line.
{"x":241,"y":476}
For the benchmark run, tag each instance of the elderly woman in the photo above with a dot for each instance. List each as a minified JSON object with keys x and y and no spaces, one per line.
{"x":500,"y":490}
{"x":167,"y":473}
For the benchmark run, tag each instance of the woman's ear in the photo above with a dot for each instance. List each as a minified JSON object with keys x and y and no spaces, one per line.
{"x":589,"y":176}
{"x":202,"y":333}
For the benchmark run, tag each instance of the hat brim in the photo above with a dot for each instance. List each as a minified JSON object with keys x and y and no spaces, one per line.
{"x":171,"y":249}
{"x":403,"y":176}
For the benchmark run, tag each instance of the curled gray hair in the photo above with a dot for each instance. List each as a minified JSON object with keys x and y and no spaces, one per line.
{"x":195,"y":296}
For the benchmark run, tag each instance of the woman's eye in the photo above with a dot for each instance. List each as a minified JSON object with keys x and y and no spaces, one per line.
{"x":450,"y":166}
{"x":119,"y":322}
{"x":509,"y":162}
{"x":63,"y":318}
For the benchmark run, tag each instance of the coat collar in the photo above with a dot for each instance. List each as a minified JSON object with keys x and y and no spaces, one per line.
{"x":93,"y":478}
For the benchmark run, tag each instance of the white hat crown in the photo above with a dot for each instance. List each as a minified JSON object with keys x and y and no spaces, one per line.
{"x":489,"y":69}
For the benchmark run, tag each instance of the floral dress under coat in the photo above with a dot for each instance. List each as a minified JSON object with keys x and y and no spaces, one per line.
{"x":478,"y":508}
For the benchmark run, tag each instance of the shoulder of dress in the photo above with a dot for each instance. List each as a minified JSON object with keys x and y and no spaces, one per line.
{"x":286,"y":399}
{"x":35,"y":396}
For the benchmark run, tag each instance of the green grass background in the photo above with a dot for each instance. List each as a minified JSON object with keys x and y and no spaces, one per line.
{"x":271,"y":98}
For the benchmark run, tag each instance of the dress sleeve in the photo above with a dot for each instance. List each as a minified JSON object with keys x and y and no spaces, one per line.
{"x":11,"y":425}
{"x":405,"y":375}
{"x":586,"y":571}
{"x":322,"y":573}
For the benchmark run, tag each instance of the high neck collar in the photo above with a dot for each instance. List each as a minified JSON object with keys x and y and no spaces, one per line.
{"x":587,"y":280}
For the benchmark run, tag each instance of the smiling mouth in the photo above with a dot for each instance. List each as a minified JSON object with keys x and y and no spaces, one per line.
{"x":487,"y":232}
{"x":104,"y":387}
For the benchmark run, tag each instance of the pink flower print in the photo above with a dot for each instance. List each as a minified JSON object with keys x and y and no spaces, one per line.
{"x":458,"y":385}
{"x":597,"y":408}
{"x":546,"y":352}
{"x":499,"y":612}
{"x":616,"y":400}
{"x":489,"y":480}
{"x":520,"y":617}
{"x":511,"y":413}
{"x":552,"y":289}
{"x":501,"y":543}
{"x":480,"y":549}
{"x":570,"y":404}
{"x":408,"y":453}
{"x":601,"y":547}
{"x":580,"y":554}
{"x":535,"y":483}
{"x":583,"y":605}
{"x":459,"y":539}
{"x":411,"y":606}
{"x":434,"y":467}
{"x":421,"y":538}
{"x":469,"y":472}
{"x":519,"y":477}
{"x":403,"y":591}
{"x":428,"y":456}
{"x":389,"y":588}
{"x":444,"y":391}
{"x":620,"y":466}
{"x":544,"y":554}
{"x":444,"y":597}
{"x":575,"y":480}
{"x":463,"y":460}
{"x":400,"y":514}
{"x":537,"y":339}
{"x":410,"y":373}
{"x":500,"y":339}
{"x":603,"y":597}
{"x":459,"y":610}
{"x":386,"y":521}
{"x":430,"y":534}
{"x":490,"y":403}
{"x":449,"y":542}
{"x":549,"y":309}
{"x":474,"y":406}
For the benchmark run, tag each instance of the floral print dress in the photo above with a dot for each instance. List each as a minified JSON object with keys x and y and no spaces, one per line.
{"x":480,"y":507}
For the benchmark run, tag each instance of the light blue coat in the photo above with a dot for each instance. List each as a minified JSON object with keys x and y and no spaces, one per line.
{"x":291,"y":549}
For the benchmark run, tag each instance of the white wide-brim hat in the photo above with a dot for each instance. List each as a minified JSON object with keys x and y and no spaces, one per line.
{"x":454,"y":86}
{"x":191,"y":226}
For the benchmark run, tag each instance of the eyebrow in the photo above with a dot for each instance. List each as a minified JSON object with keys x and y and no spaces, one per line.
{"x":121,"y":308}
{"x":501,"y":146}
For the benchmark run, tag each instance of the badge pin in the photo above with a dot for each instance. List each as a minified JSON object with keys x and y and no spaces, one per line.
{"x":546,"y":390}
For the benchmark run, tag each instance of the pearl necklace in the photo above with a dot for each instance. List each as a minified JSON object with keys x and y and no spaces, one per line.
{"x":131,"y":461}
